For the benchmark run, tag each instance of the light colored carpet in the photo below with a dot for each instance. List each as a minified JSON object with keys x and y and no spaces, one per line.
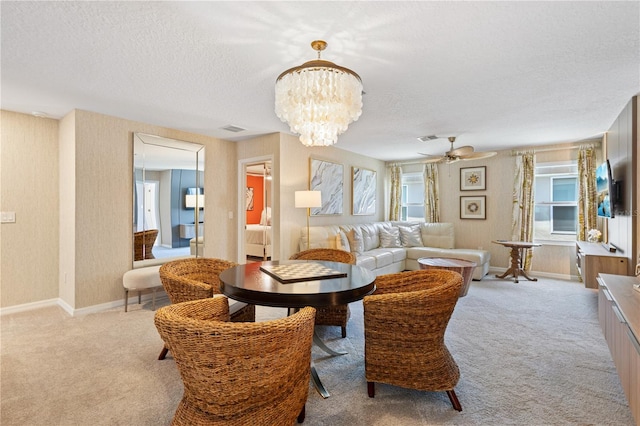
{"x":530,"y":354}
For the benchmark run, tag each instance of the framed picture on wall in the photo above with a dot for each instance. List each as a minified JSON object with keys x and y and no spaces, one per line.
{"x":249,"y":198}
{"x":363,"y":191}
{"x":473,"y":178}
{"x":473,"y":207}
{"x":327,"y":177}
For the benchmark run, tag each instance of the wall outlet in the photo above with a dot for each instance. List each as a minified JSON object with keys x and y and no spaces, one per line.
{"x":8,"y":217}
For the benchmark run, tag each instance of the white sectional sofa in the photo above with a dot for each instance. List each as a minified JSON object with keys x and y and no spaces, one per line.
{"x":390,"y":247}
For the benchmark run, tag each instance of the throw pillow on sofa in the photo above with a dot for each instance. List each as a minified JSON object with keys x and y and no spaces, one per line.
{"x":410,"y":236}
{"x":390,"y":238}
{"x":355,"y":241}
{"x":342,"y":242}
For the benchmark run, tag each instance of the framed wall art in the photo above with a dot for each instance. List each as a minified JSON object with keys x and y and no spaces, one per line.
{"x":473,"y":178}
{"x":327,"y":177}
{"x":473,"y":207}
{"x":249,"y":198}
{"x":363,"y":191}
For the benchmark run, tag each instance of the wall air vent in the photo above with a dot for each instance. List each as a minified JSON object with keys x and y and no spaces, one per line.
{"x":234,"y":129}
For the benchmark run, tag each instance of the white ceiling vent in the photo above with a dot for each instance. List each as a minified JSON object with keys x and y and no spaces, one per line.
{"x":234,"y":129}
{"x":427,"y":138}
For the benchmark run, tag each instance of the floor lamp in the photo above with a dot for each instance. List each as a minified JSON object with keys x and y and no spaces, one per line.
{"x":307,"y":200}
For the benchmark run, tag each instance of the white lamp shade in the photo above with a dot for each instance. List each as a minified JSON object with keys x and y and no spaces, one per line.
{"x":190,"y":200}
{"x":308,"y":199}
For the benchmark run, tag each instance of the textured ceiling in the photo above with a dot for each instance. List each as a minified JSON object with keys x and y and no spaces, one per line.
{"x":495,"y":74}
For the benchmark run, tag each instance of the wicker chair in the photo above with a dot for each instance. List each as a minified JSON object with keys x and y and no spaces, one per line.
{"x":198,"y":278}
{"x":404,"y":324}
{"x":143,"y":244}
{"x":238,"y":373}
{"x":330,"y":315}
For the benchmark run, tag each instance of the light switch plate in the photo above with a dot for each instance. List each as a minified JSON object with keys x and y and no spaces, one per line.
{"x":8,"y":217}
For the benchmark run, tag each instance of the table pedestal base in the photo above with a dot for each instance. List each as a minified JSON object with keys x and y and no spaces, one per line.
{"x":315,"y":378}
{"x":516,"y":273}
{"x":515,"y":268}
{"x":314,"y":374}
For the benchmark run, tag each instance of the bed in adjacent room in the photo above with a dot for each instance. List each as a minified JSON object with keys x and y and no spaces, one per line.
{"x":258,"y":236}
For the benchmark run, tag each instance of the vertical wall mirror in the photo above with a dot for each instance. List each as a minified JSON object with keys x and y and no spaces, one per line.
{"x":168,"y":198}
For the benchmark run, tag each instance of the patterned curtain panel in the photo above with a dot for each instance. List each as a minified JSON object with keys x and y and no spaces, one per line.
{"x":586,"y":192}
{"x":396,"y":192}
{"x":523,"y":204}
{"x":431,"y":193}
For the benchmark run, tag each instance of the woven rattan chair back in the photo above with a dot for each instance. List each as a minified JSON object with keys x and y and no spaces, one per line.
{"x":238,"y":373}
{"x":143,"y":244}
{"x":199,"y":278}
{"x":328,"y":254}
{"x":193,"y":279}
{"x":405,"y":320}
{"x":330,"y":315}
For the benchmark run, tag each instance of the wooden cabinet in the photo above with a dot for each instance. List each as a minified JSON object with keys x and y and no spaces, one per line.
{"x":593,"y":258}
{"x":619,"y":316}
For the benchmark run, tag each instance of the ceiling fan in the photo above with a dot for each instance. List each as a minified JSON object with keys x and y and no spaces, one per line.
{"x":464,"y":153}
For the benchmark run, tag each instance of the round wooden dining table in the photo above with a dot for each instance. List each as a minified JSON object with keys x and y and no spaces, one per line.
{"x":295,"y":284}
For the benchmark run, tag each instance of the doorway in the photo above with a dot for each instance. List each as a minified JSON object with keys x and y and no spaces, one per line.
{"x":255,"y":217}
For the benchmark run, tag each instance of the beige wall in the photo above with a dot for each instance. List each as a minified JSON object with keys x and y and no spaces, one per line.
{"x":291,"y":171}
{"x":104,"y":206}
{"x":79,"y":171}
{"x":262,"y":147}
{"x":67,"y":245}
{"x":470,"y":233}
{"x":294,"y":176}
{"x":28,"y":187}
{"x":82,"y":258}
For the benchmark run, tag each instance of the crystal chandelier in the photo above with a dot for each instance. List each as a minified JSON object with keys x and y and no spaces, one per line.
{"x":318,"y":99}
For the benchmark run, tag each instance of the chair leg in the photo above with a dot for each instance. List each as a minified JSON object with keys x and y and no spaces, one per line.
{"x":163,"y":353}
{"x":139,"y":297}
{"x":344,"y":331}
{"x":126,"y":298}
{"x":302,"y":414}
{"x":454,"y":400}
{"x":371,"y":389}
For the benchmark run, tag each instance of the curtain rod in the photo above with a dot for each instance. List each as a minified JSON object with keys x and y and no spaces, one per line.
{"x":404,"y":163}
{"x":564,"y":148}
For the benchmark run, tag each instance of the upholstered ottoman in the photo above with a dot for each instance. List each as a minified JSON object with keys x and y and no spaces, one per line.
{"x":141,"y":279}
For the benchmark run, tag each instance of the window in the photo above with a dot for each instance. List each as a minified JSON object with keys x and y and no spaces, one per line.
{"x":412,"y":197}
{"x":556,"y":202}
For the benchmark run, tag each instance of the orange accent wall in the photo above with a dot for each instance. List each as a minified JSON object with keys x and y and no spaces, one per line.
{"x":257,"y":183}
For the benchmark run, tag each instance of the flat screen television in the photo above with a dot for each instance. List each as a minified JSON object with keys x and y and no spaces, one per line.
{"x":605,"y":190}
{"x":190,"y":198}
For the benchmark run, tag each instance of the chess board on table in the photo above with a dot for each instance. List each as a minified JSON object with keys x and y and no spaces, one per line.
{"x":303,"y":271}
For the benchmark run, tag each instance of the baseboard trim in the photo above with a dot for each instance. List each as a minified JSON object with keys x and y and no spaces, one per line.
{"x":133,"y":300}
{"x":566,"y":277}
{"x":29,"y":306}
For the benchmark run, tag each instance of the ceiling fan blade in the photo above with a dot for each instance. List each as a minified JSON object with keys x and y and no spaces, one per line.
{"x":462,"y":151}
{"x":433,"y":160}
{"x":477,"y":155}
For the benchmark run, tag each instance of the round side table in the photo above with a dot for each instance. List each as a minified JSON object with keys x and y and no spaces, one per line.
{"x":461,"y":266}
